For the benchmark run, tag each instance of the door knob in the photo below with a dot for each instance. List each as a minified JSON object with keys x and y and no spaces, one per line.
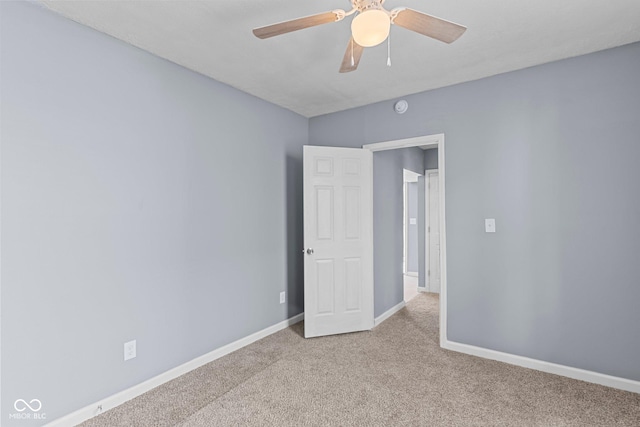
{"x":309,"y":251}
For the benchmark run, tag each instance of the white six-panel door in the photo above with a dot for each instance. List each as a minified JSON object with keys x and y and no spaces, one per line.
{"x":433,"y":265}
{"x":338,"y":238}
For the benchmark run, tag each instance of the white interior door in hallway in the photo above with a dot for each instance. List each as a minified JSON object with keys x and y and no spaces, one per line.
{"x":410,"y":223}
{"x":338,"y":239}
{"x":433,"y":230}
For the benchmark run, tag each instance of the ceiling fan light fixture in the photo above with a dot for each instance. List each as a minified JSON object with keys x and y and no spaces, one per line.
{"x":371,"y":27}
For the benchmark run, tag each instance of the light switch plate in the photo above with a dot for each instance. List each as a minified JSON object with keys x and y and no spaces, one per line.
{"x":490,"y":225}
{"x":413,"y":221}
{"x":129,"y":350}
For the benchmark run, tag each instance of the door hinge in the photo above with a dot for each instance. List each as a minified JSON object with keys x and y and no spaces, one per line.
{"x":429,"y":229}
{"x":429,"y":273}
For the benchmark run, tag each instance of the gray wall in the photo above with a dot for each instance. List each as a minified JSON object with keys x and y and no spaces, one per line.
{"x":412,"y":229}
{"x":139,"y":201}
{"x":550,"y":152}
{"x":128,"y":196}
{"x":431,"y":158}
{"x":387,"y":223}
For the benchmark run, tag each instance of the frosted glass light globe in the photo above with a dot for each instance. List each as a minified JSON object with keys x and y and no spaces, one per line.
{"x":370,"y":28}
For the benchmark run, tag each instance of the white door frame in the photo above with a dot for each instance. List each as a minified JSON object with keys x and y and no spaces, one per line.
{"x":433,"y":141}
{"x":427,"y":237}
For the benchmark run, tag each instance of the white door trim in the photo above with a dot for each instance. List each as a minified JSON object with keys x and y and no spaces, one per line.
{"x":430,"y":141}
{"x":410,"y":176}
{"x":427,"y":237}
{"x":405,"y":228}
{"x":418,"y":141}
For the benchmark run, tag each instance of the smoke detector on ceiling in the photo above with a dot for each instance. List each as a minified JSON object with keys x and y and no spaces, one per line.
{"x":401,"y":106}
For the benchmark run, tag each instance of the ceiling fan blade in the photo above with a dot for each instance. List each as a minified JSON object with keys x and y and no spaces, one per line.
{"x":296,"y":24}
{"x":428,"y":25}
{"x":354,"y":51}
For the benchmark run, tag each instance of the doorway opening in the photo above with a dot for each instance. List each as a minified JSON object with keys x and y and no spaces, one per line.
{"x":427,"y":142}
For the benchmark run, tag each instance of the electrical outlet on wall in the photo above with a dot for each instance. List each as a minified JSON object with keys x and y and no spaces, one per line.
{"x":129,"y":350}
{"x":283,"y":297}
{"x":490,"y":225}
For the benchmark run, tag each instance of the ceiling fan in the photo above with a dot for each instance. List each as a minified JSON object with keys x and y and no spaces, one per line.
{"x":370,"y":27}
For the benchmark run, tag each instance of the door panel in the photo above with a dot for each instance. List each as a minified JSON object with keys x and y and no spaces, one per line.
{"x":325,"y":286}
{"x":352,"y":213}
{"x":338,"y":227}
{"x":324,"y":212}
{"x":353,"y":283}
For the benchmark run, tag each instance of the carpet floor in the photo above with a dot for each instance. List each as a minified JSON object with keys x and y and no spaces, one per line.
{"x":394,"y":375}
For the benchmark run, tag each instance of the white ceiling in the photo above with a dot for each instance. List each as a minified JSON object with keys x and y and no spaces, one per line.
{"x":299,"y":70}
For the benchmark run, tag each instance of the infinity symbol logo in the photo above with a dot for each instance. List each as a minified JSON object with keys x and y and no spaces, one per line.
{"x":22,"y":405}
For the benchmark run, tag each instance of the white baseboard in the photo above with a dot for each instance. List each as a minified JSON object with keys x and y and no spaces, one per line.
{"x":384,"y":316}
{"x":552,"y":368}
{"x":412,"y":273}
{"x":117,"y":399}
{"x":422,"y":289}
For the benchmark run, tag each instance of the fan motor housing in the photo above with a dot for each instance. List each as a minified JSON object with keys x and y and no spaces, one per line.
{"x":363,"y":5}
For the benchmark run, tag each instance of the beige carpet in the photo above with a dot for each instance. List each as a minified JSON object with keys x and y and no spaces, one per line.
{"x":395,"y":375}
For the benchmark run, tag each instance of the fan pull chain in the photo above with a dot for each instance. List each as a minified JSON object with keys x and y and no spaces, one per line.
{"x":389,"y":50}
{"x":352,"y":60}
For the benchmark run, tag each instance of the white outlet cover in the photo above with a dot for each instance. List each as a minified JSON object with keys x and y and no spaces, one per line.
{"x":490,"y":225}
{"x":129,"y":350}
{"x":282,"y":297}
